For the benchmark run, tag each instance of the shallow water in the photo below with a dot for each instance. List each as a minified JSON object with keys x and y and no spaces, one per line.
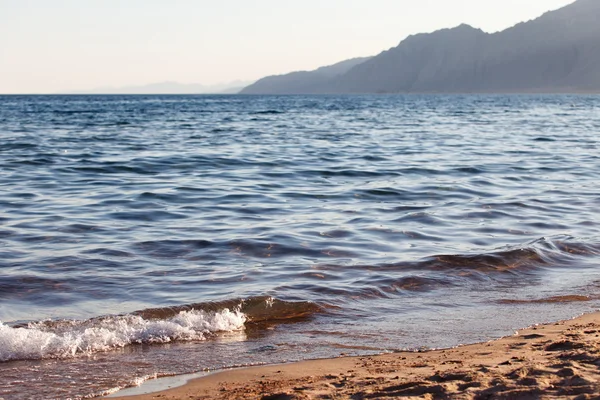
{"x":145,"y":236}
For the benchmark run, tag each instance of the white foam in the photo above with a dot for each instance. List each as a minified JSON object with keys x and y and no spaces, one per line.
{"x":71,"y":338}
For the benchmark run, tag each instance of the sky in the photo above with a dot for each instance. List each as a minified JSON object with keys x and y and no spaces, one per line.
{"x":51,"y":46}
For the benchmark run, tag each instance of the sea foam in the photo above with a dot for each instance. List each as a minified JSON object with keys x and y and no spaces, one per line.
{"x":67,"y":339}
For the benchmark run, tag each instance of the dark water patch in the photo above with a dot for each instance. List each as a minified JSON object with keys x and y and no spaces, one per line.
{"x":421,"y":171}
{"x":349,"y":173}
{"x":238,"y":198}
{"x":27,"y":285}
{"x":9,"y":147}
{"x":103,"y":138}
{"x":457,"y":192}
{"x":392,"y":287}
{"x":34,"y":162}
{"x":265,"y":249}
{"x":43,"y":239}
{"x":6,"y":233}
{"x":80,"y":228}
{"x":169,"y":248}
{"x":517,"y":208}
{"x":259,"y":212}
{"x":71,"y":112}
{"x":421,"y":218}
{"x":112,"y":168}
{"x":21,"y":195}
{"x":548,"y":226}
{"x":9,"y":255}
{"x":146,"y":216}
{"x":222,"y":130}
{"x":406,"y":208}
{"x":374,"y":158}
{"x":74,"y":265}
{"x":269,"y":112}
{"x":192,"y":189}
{"x":469,"y":170}
{"x":550,"y":300}
{"x":164,"y":197}
{"x":384,"y":193}
{"x":116,"y":203}
{"x":318,"y":195}
{"x":338,"y":234}
{"x":14,"y":205}
{"x":488,"y":214}
{"x":423,"y":237}
{"x":107,"y":252}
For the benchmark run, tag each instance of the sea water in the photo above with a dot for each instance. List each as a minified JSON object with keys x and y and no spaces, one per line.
{"x":149,"y":236}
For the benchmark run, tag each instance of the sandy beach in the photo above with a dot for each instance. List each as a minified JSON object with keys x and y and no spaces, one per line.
{"x":559,"y":360}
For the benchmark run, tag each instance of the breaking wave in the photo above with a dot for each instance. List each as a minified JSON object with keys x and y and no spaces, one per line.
{"x":193,"y":322}
{"x":69,"y":338}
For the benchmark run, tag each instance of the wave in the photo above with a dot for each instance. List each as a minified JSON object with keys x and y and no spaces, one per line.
{"x":504,"y":265}
{"x":61,"y":339}
{"x":544,"y":252}
{"x":68,"y":339}
{"x":255,"y":309}
{"x":201,"y":321}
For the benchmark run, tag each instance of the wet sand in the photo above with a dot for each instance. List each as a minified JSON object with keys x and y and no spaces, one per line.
{"x":554,"y":361}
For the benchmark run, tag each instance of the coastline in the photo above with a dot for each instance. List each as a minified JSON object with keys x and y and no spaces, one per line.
{"x":557,"y":360}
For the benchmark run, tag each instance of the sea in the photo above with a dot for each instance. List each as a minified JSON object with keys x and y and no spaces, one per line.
{"x":152,"y":236}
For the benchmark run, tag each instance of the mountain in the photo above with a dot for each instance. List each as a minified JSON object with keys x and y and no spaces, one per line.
{"x":302,"y":81}
{"x":557,"y":52}
{"x":169,"y":88}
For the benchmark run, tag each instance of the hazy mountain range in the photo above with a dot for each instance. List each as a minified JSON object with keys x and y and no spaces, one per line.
{"x":557,"y":52}
{"x":303,"y":81}
{"x":169,"y":88}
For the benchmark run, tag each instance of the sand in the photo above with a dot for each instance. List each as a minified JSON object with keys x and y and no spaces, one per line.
{"x":554,"y":361}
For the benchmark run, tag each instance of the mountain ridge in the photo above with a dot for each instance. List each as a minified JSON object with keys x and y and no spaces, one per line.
{"x":556,"y":52}
{"x":302,"y":81}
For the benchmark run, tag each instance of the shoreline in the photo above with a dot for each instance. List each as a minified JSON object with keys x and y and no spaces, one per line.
{"x":556,"y":360}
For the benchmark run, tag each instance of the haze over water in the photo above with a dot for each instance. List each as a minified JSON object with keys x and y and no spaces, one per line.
{"x":145,"y":236}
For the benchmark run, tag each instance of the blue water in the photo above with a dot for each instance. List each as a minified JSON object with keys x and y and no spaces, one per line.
{"x":324,"y":224}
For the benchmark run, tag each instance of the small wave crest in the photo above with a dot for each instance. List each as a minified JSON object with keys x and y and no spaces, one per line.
{"x":255,"y":309}
{"x":544,"y":252}
{"x":68,"y":339}
{"x":508,"y":265}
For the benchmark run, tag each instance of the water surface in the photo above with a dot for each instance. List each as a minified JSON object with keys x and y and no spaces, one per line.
{"x":145,"y":236}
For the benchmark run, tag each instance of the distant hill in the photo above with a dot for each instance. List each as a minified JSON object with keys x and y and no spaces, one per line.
{"x":169,"y":88}
{"x":302,"y":81}
{"x":557,"y":52}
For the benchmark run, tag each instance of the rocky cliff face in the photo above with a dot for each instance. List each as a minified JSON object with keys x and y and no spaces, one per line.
{"x":558,"y":52}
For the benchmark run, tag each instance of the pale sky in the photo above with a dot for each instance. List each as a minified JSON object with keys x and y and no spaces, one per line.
{"x":49,"y":46}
